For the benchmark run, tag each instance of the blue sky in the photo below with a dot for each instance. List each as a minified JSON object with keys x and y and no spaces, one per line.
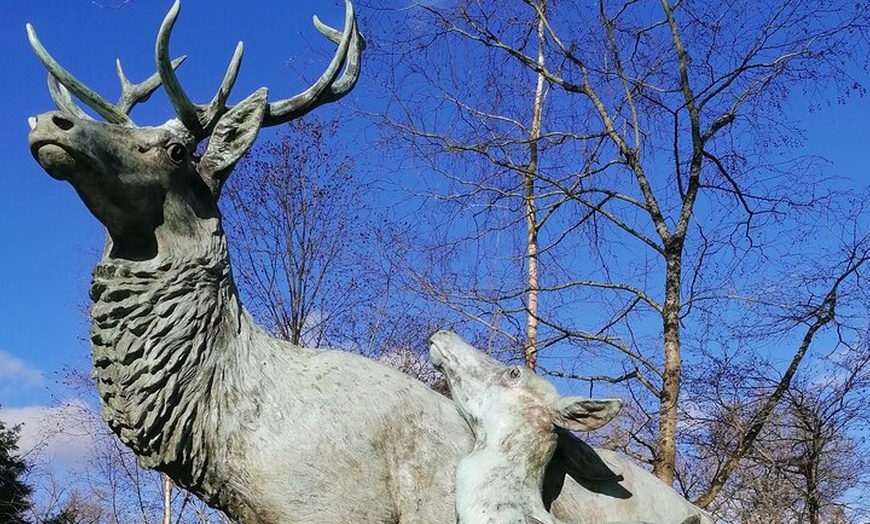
{"x":48,"y":240}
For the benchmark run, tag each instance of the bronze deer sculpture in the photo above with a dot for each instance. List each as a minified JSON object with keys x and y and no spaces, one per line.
{"x":264,"y":430}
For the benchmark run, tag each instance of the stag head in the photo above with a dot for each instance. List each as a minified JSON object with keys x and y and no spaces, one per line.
{"x":146,"y":184}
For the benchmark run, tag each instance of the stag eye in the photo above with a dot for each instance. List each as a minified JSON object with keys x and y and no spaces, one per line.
{"x":177,"y":153}
{"x":515,"y":373}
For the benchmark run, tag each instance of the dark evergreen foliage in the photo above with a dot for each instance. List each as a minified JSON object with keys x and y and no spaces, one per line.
{"x":14,"y":492}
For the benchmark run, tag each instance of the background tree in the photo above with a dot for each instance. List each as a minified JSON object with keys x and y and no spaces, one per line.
{"x":292,"y":210}
{"x":809,"y":463}
{"x":14,"y":491}
{"x":316,"y":261}
{"x":675,"y":216}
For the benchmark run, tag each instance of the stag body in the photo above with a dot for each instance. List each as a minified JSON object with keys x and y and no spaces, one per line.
{"x":266,"y":431}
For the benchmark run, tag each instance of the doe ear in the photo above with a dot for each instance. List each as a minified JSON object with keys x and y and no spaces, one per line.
{"x":584,"y":414}
{"x":233,"y":135}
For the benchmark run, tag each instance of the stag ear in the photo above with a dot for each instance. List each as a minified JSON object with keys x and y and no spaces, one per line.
{"x":233,"y":135}
{"x":584,"y":414}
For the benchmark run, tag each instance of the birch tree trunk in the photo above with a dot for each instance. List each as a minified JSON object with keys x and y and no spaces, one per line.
{"x":167,"y":499}
{"x":533,"y":290}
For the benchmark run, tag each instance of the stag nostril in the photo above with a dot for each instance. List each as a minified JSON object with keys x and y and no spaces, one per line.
{"x":62,"y":122}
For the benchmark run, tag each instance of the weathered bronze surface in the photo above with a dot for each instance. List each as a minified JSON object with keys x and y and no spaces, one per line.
{"x":266,"y":431}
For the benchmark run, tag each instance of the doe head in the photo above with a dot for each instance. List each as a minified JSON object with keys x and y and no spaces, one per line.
{"x":499,"y":400}
{"x":147,"y":184}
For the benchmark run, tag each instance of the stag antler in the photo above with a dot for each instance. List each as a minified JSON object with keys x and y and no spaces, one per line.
{"x":327,"y":88}
{"x":200,"y":119}
{"x":61,"y":84}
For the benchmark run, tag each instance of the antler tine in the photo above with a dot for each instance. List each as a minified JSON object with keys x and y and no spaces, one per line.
{"x":218,"y":105}
{"x":184,"y":108}
{"x":327,"y":88}
{"x":76,"y":87}
{"x":198,"y":119}
{"x":63,"y":99}
{"x":62,"y":86}
{"x":348,"y":79}
{"x":132,"y":94}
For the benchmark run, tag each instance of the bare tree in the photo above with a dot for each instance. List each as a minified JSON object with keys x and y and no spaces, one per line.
{"x":668,"y":196}
{"x":291,"y":207}
{"x":315,"y":260}
{"x":808,"y":463}
{"x":533,"y":224}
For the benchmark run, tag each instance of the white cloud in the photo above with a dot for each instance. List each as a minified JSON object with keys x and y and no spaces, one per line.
{"x":61,"y":435}
{"x":15,"y":371}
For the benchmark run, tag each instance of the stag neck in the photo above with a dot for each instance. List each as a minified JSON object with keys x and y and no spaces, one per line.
{"x":199,"y":252}
{"x":162,"y":331}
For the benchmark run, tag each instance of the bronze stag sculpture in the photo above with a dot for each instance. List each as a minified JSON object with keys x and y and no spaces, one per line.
{"x":266,"y":431}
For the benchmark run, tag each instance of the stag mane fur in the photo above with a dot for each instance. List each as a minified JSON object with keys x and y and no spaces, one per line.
{"x":167,"y":354}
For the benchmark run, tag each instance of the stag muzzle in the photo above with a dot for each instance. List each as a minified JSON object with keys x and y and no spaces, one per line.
{"x":51,"y":146}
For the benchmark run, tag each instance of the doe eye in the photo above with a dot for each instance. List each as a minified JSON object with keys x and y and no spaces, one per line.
{"x":177,"y":153}
{"x":515,"y":373}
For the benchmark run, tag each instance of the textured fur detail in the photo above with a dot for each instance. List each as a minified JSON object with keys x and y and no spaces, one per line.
{"x":162,"y":336}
